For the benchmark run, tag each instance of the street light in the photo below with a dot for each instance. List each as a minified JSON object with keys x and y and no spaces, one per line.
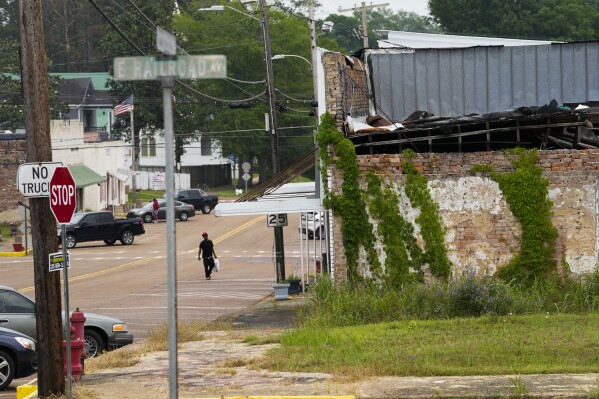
{"x":222,"y":8}
{"x":281,"y":56}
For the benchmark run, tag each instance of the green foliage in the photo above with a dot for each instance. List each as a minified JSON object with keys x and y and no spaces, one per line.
{"x":432,"y":230}
{"x":535,"y":19}
{"x":399,"y":240}
{"x":466,"y":295}
{"x":525,"y":191}
{"x":349,"y":204}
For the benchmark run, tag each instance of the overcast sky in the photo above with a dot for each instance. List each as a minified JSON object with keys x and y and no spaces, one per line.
{"x":331,"y":6}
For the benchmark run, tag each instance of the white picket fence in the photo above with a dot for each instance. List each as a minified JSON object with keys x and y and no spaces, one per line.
{"x":157,"y":180}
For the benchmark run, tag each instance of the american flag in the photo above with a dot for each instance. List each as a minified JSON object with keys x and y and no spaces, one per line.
{"x":124,"y":107}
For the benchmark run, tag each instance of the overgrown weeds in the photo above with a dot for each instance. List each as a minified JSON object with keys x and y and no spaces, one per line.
{"x":465,"y":295}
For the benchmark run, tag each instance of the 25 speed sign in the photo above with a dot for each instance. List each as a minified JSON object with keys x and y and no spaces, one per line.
{"x":276,"y":219}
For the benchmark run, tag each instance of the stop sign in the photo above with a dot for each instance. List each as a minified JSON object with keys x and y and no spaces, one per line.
{"x":62,"y":195}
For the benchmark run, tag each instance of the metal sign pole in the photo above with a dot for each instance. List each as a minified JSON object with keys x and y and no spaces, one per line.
{"x":167,"y":91}
{"x":67,"y":332}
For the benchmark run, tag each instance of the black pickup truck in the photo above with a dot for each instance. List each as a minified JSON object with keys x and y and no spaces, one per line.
{"x":198,"y":198}
{"x":101,"y":226}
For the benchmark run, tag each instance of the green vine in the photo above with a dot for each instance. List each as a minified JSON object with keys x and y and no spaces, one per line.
{"x":349,"y":205}
{"x":400,"y":243}
{"x":431,"y":225}
{"x":525,"y":191}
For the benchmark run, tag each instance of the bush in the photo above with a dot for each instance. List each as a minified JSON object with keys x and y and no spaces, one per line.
{"x":466,"y":295}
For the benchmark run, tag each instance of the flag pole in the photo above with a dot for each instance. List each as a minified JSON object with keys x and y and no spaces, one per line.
{"x":135,"y":158}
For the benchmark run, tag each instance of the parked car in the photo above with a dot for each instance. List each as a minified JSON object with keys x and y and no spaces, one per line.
{"x":198,"y":198}
{"x":100,"y":226}
{"x":17,"y":312}
{"x":312,"y":223}
{"x":18,"y":358}
{"x":182,"y":211}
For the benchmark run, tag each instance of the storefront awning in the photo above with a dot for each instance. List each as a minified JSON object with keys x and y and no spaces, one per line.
{"x":84,"y":176}
{"x":118,"y":175}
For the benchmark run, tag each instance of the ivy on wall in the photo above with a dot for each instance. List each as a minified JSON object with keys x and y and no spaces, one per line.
{"x":525,"y":191}
{"x":431,"y":225}
{"x":398,"y":235}
{"x":349,"y":204}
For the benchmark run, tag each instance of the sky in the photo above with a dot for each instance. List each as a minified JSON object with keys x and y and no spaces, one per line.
{"x":331,"y":6}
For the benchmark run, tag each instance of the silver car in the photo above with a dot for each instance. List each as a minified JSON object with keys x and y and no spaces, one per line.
{"x":17,"y":312}
{"x":182,"y":211}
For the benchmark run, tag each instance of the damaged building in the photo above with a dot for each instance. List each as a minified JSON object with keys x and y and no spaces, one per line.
{"x":458,"y":108}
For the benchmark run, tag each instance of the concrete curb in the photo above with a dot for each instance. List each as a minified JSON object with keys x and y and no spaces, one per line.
{"x":15,"y":254}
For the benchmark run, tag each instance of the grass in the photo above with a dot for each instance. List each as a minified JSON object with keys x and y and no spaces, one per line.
{"x":464,"y":346}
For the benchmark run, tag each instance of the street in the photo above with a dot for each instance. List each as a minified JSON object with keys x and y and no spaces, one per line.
{"x":130,"y":282}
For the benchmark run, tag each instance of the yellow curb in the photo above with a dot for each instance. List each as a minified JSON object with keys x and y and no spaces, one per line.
{"x":28,"y":390}
{"x":13,"y":254}
{"x":286,"y":397}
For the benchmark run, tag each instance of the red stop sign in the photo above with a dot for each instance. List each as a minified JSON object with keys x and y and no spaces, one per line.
{"x":62,"y":195}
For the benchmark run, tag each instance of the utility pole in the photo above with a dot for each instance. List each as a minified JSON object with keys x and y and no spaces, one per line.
{"x":364,"y":8}
{"x":135,"y":159}
{"x":274,"y":137}
{"x":34,"y":78}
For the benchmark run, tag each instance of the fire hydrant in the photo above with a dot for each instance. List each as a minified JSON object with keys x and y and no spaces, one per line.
{"x":76,"y":331}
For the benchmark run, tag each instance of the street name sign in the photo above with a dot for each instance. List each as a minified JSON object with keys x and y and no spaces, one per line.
{"x":181,"y":67}
{"x":62,"y":195}
{"x":33,"y":179}
{"x":56,"y":261}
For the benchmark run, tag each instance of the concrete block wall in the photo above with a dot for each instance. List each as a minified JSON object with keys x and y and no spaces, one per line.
{"x":12,"y":154}
{"x":482,"y":233}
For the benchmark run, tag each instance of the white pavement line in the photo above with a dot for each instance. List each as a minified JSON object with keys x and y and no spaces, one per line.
{"x":166,"y":308}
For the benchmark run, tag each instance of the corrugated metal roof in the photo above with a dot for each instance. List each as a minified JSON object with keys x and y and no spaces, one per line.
{"x":455,"y":82}
{"x":432,"y":40}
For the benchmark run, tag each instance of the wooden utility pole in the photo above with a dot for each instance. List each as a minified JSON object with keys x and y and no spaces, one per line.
{"x":34,"y":78}
{"x":364,"y":9}
{"x":274,"y":136}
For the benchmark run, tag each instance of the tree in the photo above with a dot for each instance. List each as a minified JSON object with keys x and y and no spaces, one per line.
{"x":241,"y":131}
{"x":531,"y":19}
{"x":347,"y":32}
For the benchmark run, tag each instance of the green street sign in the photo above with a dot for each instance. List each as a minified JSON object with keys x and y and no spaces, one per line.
{"x":181,"y":67}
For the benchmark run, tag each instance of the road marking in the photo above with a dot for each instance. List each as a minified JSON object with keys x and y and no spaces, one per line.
{"x":139,"y":260}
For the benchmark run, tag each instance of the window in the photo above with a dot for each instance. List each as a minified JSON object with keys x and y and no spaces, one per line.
{"x":144,"y":147}
{"x":11,"y":302}
{"x":183,"y":195}
{"x":104,"y":217}
{"x":152,"y":146}
{"x":206,"y":145}
{"x":194,"y":194}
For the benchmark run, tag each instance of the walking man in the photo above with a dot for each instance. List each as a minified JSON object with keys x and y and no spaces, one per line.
{"x":207,"y":254}
{"x":155,"y":207}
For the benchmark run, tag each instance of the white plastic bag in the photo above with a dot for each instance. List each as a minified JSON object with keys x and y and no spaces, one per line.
{"x":216,"y":265}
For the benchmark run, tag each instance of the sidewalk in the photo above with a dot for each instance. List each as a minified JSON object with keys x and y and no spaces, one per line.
{"x":221,"y":365}
{"x":7,"y":250}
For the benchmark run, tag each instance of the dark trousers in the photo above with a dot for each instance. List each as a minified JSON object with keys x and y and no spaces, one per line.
{"x":208,"y":265}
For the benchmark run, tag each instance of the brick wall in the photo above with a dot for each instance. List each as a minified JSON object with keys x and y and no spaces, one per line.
{"x":12,"y":154}
{"x":481,"y":231}
{"x":346,"y":87}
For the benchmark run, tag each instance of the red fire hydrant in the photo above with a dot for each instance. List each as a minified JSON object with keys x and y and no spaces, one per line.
{"x":77,"y":345}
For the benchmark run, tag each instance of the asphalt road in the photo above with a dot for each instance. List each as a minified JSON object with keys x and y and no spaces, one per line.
{"x":130,"y":282}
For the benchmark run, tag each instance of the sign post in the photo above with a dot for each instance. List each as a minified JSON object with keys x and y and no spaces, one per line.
{"x":166,"y":68}
{"x":63,"y":203}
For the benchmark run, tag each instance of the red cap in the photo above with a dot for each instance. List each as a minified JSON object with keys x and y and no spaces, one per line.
{"x":204,"y":234}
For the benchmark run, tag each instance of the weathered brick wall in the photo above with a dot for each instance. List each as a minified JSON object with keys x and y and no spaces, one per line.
{"x":12,"y":154}
{"x":482,"y":233}
{"x":346,"y":87}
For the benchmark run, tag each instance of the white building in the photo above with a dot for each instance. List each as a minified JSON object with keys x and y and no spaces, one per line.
{"x":94,"y":165}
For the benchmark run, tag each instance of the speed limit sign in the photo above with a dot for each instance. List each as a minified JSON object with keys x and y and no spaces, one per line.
{"x":276,"y":219}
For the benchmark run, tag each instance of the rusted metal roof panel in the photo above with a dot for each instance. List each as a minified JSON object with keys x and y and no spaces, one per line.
{"x":455,"y":82}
